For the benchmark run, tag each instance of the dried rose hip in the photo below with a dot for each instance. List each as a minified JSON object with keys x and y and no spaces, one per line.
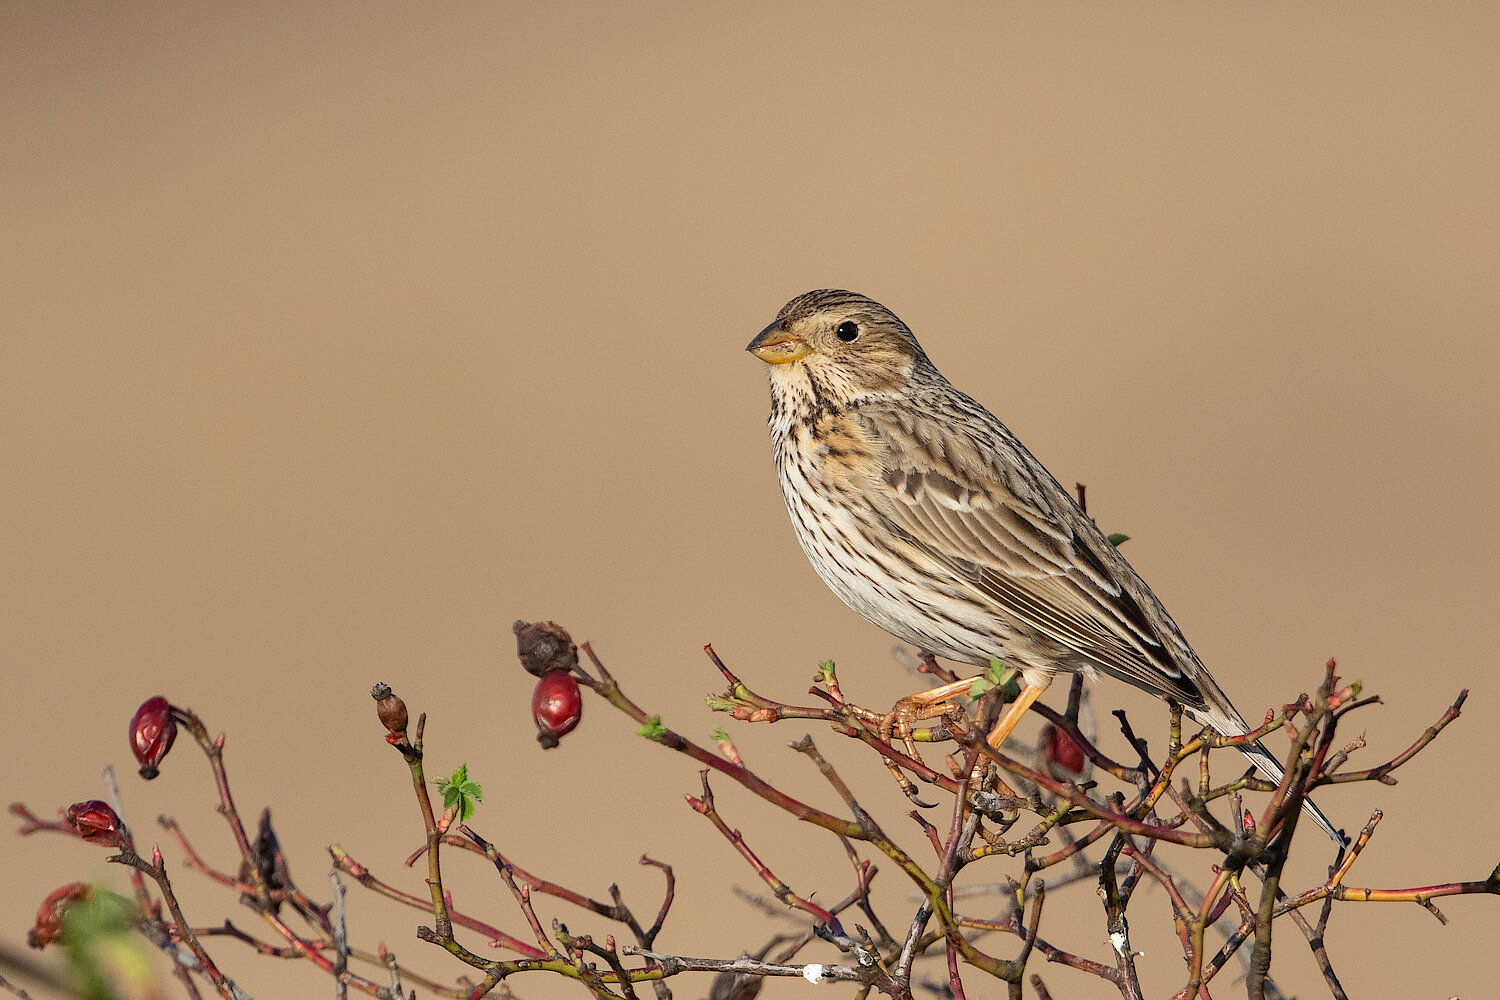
{"x":49,"y":919}
{"x":391,"y":711}
{"x":556,"y":707}
{"x":544,"y":647}
{"x":96,"y":822}
{"x":151,"y":734}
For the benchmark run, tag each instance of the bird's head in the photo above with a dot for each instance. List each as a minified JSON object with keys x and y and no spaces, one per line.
{"x":832,"y":346}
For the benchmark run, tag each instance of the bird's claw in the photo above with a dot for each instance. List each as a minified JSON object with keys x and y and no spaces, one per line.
{"x":899,"y":722}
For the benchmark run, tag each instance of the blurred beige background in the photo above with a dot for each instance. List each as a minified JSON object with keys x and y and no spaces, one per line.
{"x":334,"y":340}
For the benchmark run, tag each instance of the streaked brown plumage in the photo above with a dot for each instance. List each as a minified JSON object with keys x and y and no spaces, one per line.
{"x":928,"y":517}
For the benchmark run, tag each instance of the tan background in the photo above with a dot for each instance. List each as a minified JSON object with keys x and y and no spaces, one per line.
{"x":334,"y":341}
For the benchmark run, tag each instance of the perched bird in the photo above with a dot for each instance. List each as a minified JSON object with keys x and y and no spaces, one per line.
{"x":928,"y":517}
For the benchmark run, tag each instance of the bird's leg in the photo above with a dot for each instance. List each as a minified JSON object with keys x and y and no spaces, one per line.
{"x":1002,"y":729}
{"x":930,"y":704}
{"x":1014,"y":711}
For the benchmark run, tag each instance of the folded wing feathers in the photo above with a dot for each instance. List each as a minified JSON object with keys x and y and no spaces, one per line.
{"x":997,"y":535}
{"x":1031,"y":563}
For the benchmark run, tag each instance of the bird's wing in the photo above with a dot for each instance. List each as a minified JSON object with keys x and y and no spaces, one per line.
{"x":1012,"y":534}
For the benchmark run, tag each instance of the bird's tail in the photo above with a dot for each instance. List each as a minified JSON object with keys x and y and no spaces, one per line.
{"x":1269,"y":766}
{"x":1227,"y":722}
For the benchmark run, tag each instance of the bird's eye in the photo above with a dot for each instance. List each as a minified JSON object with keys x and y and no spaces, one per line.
{"x":848,"y":330}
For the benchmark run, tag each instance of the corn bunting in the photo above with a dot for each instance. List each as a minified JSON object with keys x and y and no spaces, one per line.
{"x":927,"y":516}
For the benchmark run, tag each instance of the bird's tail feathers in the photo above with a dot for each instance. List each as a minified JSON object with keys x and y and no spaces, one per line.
{"x":1269,"y":766}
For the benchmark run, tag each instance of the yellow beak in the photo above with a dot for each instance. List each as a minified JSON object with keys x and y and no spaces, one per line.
{"x":775,"y":346}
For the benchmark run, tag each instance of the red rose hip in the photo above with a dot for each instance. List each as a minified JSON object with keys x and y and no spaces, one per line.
{"x":1065,"y":759}
{"x":556,"y":707}
{"x":151,"y":734}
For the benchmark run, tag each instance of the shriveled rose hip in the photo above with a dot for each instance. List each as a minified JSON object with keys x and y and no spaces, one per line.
{"x":96,"y":822}
{"x":544,"y":647}
{"x":556,"y":707}
{"x":391,"y":711}
{"x":49,"y":919}
{"x":152,"y":731}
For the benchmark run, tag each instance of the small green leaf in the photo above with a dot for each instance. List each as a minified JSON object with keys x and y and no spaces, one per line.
{"x":718,"y":704}
{"x":996,"y":674}
{"x":825,"y":670}
{"x":460,"y":793}
{"x":721,"y":735}
{"x":653,"y":729}
{"x":1117,"y":539}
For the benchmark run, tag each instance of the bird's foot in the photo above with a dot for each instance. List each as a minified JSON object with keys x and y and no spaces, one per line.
{"x":941,"y":702}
